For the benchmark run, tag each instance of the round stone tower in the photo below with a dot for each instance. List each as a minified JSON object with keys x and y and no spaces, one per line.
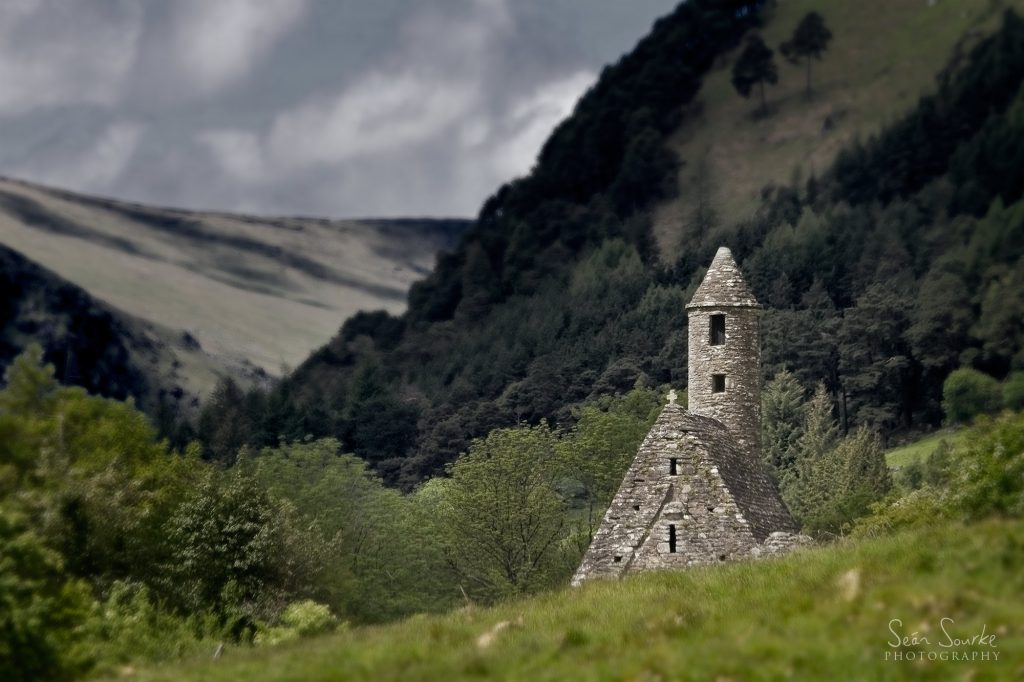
{"x":724,"y":363}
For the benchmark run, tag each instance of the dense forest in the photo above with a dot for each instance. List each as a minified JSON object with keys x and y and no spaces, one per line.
{"x":897,"y":265}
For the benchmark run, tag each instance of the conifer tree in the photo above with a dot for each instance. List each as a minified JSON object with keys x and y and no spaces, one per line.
{"x":755,"y":66}
{"x":809,"y":41}
{"x":782,"y":421}
{"x":820,"y":429}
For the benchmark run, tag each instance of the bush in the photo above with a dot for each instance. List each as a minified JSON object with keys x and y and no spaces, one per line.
{"x":988,"y":478}
{"x":968,"y":393}
{"x":1013,"y":391}
{"x":41,"y":610}
{"x":920,"y":508}
{"x":301,"y":619}
{"x":129,"y":625}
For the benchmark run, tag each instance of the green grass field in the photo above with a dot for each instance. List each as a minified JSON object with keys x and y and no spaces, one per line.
{"x":821,"y":614}
{"x":883,"y":56}
{"x":920,"y":449}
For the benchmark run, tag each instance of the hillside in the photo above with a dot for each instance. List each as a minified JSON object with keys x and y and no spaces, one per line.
{"x":254,"y":295}
{"x":892,"y":266}
{"x":92,"y":344}
{"x":820,"y":614}
{"x":884,"y":55}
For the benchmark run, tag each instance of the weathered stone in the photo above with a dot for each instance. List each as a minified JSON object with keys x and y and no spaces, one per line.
{"x":698,"y":491}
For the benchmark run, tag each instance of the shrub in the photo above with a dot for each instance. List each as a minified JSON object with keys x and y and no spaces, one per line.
{"x":1013,"y":391}
{"x":968,"y":393}
{"x":301,"y":619}
{"x":988,"y":477}
{"x":129,"y":625}
{"x":919,"y":508}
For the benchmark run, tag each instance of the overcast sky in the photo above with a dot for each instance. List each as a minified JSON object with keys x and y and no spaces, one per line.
{"x":338,"y":108}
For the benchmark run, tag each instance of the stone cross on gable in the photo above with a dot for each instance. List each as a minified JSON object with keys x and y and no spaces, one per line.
{"x":672,"y":395}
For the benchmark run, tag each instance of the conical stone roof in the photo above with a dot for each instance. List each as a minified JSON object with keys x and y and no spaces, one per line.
{"x":723,"y":285}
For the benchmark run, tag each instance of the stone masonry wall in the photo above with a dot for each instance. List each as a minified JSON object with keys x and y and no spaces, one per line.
{"x":635,"y":532}
{"x":739,"y":359}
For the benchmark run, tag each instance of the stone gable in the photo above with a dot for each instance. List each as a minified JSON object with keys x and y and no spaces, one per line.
{"x":698,"y":491}
{"x":719,"y":511}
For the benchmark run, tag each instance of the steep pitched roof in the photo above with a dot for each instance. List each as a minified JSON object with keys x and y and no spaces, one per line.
{"x":723,"y":285}
{"x":748,"y":479}
{"x":723,"y":502}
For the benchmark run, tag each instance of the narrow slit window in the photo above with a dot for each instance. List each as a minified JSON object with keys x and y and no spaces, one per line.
{"x":673,"y":466}
{"x":718,"y":330}
{"x":672,"y":538}
{"x":718,"y":383}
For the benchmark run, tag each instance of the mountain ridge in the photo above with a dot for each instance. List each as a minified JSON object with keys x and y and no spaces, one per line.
{"x":255,"y":294}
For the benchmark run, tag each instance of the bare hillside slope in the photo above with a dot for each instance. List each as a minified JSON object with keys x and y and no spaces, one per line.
{"x":253,"y":294}
{"x":883,"y":56}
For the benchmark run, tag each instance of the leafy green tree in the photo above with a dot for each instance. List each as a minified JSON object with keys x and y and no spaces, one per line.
{"x":601,"y":446}
{"x":501,"y":515}
{"x":755,"y":67}
{"x":379,"y":425}
{"x":809,"y":42}
{"x":845,"y":482}
{"x":242,"y":552}
{"x":89,"y":474}
{"x":41,"y":609}
{"x":385,"y":562}
{"x":968,"y":393}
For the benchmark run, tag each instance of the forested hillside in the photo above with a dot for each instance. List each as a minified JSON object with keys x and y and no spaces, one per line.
{"x":898,"y":264}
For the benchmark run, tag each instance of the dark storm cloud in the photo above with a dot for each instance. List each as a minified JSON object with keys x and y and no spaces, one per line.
{"x":339,"y":108}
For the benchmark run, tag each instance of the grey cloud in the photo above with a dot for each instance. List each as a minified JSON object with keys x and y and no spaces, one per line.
{"x":320,"y":107}
{"x":56,"y":53}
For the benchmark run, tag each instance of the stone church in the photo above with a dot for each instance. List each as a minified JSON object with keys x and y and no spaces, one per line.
{"x":698,"y":491}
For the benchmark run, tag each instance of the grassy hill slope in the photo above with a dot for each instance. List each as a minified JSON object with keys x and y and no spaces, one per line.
{"x":920,"y":450}
{"x":819,"y":614}
{"x":255,"y":293}
{"x":884,"y":55}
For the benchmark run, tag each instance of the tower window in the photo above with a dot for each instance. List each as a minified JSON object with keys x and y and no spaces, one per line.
{"x":718,"y":383}
{"x":673,"y":466}
{"x":672,"y":538}
{"x":718,"y":330}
